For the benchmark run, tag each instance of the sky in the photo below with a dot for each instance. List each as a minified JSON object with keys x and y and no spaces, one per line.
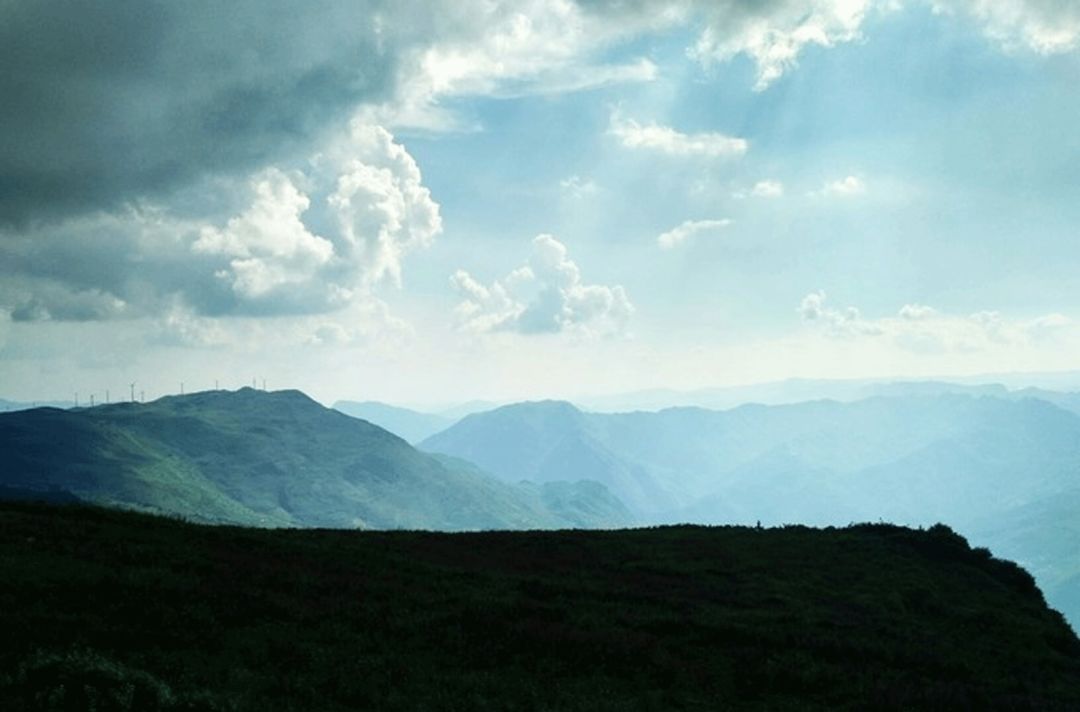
{"x":432,"y":202}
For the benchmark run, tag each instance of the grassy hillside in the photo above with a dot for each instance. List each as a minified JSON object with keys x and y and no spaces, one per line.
{"x":256,"y":458}
{"x":190,"y":617}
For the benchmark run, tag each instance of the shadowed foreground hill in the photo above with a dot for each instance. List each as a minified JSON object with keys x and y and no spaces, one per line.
{"x":143,"y":613}
{"x":269,"y":459}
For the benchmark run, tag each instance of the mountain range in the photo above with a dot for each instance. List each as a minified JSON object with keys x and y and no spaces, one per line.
{"x":412,"y":425}
{"x":1003,"y":470}
{"x":271,"y":459}
{"x":1002,"y":466}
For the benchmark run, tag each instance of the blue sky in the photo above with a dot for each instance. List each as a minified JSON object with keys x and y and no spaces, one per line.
{"x":541,"y":199}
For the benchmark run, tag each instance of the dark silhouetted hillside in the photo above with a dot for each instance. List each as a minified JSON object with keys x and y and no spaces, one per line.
{"x":141,"y":613}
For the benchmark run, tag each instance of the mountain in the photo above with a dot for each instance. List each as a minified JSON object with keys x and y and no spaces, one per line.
{"x":544,"y":442}
{"x":7,"y":406}
{"x":459,"y":410}
{"x":916,"y":460}
{"x":122,"y":611}
{"x":411,"y":425}
{"x":257,"y":458}
{"x":786,"y":392}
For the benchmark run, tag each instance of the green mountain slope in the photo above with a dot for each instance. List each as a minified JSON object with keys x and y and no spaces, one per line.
{"x":250,"y":457}
{"x":179,"y":616}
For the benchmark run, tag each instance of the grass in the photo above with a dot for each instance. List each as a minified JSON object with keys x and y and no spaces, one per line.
{"x":115,"y":610}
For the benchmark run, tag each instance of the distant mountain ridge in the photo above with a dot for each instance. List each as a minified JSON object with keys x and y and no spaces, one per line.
{"x":411,"y":425}
{"x":962,"y":459}
{"x":8,"y":406}
{"x":258,"y":458}
{"x":801,"y":390}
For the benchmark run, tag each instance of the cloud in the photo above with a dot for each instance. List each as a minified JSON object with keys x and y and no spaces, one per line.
{"x":299,"y":242}
{"x":917,"y":312}
{"x":774,"y":33}
{"x":680,"y":234}
{"x":52,"y":302}
{"x":117,"y":100}
{"x":577,"y":187}
{"x":180,"y":326}
{"x":547,"y":295}
{"x":666,"y":140}
{"x":1049,"y":323}
{"x":843,"y":323}
{"x":848,"y":187}
{"x":368,"y":324}
{"x":509,"y":49}
{"x":761,"y":189}
{"x":922,"y":329}
{"x":1043,"y":26}
{"x":767,"y":189}
{"x":270,"y":250}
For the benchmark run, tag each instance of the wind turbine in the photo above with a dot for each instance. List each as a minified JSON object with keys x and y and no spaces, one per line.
{"x":132,"y":392}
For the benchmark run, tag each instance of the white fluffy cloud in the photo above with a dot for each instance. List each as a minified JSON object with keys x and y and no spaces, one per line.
{"x":666,"y":140}
{"x":844,"y":323}
{"x":268,"y":246}
{"x":922,"y":329}
{"x":547,"y":295}
{"x":374,"y":210}
{"x":681,"y":233}
{"x":1043,"y":26}
{"x":510,"y":49}
{"x":382,"y":208}
{"x":300,"y":242}
{"x":773,"y":34}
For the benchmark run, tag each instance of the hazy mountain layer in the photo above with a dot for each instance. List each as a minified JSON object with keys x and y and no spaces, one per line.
{"x":411,"y":425}
{"x":268,"y":459}
{"x":973,"y":462}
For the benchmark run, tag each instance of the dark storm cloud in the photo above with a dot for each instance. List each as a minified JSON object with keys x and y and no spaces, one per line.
{"x":104,"y":102}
